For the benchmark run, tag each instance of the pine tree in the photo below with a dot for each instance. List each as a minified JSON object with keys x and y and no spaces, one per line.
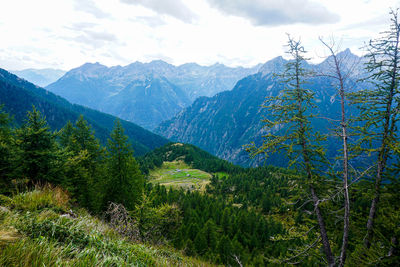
{"x":209,"y":230}
{"x":125,"y":182}
{"x":66,"y":134}
{"x":189,"y":249}
{"x":226,"y":221}
{"x":200,"y":243}
{"x":6,"y":152}
{"x":84,"y":165}
{"x":225,"y":249}
{"x":38,"y":151}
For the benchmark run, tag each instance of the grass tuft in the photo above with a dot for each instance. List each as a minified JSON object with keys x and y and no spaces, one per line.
{"x":41,"y":198}
{"x":34,"y":233}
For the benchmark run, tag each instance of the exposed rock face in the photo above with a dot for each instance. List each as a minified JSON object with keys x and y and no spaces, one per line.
{"x":223,"y":124}
{"x":145,"y":93}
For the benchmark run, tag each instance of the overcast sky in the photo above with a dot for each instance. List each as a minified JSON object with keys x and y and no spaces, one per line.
{"x":65,"y":34}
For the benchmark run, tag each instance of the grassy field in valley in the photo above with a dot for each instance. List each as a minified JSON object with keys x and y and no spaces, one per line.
{"x":179,"y":174}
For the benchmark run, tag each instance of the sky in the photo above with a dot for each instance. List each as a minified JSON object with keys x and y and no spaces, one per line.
{"x":65,"y":34}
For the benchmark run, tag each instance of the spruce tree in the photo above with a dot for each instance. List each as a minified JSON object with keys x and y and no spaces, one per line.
{"x":209,"y":230}
{"x":200,"y":243}
{"x":37,"y":150}
{"x":6,"y":152}
{"x":225,"y":249}
{"x":124,"y":180}
{"x":65,"y":135}
{"x":84,"y":165}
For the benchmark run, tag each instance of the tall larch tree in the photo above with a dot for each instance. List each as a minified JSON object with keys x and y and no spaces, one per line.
{"x":292,"y":110}
{"x":339,"y":72}
{"x":379,"y":108}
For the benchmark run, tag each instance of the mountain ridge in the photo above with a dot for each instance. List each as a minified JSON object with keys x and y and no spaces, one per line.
{"x":223,"y":124}
{"x":93,"y":84}
{"x":18,"y":96}
{"x":41,"y":77}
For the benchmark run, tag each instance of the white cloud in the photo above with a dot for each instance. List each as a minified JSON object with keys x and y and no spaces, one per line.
{"x":272,"y":12}
{"x":89,"y":6}
{"x":174,"y":8}
{"x":66,"y":34}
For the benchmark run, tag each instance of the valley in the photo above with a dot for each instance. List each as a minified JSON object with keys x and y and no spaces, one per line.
{"x":147,"y":133}
{"x":145,"y":93}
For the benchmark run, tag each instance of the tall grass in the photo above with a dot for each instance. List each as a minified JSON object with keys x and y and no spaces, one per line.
{"x":46,"y":197}
{"x":33,"y":232}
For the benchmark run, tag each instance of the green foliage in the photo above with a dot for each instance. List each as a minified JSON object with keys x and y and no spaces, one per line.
{"x":18,"y":96}
{"x":47,"y":239}
{"x":290,"y":130}
{"x":207,"y":217}
{"x":73,"y":159}
{"x":125,"y":182}
{"x":191,"y":155}
{"x":157,"y":224}
{"x":378,"y":119}
{"x":84,"y":163}
{"x":46,"y":198}
{"x":200,"y":243}
{"x":37,"y":153}
{"x":6,"y":152}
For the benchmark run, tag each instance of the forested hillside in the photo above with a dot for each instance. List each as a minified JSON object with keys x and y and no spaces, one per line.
{"x":18,"y":96}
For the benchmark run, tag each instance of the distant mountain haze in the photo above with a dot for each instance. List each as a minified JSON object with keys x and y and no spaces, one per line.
{"x":41,"y":77}
{"x":145,"y":93}
{"x":18,"y":96}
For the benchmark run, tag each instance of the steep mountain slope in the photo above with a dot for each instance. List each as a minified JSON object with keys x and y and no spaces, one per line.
{"x":96,"y":86}
{"x":41,"y":77}
{"x":147,"y":102}
{"x":223,"y":124}
{"x":18,"y":96}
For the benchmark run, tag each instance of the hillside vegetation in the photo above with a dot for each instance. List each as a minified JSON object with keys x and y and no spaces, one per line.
{"x":317,"y":212}
{"x":18,"y":96}
{"x":42,"y":228}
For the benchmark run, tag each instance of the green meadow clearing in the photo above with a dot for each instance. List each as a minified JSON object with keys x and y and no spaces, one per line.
{"x":178,"y":174}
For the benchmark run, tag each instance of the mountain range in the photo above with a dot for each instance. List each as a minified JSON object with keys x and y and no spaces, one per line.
{"x":150,"y":93}
{"x":226,"y":122}
{"x":18,"y":95}
{"x":145,"y":93}
{"x":41,"y":77}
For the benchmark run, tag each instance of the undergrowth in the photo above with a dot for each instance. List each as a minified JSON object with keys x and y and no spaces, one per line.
{"x":36,"y":230}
